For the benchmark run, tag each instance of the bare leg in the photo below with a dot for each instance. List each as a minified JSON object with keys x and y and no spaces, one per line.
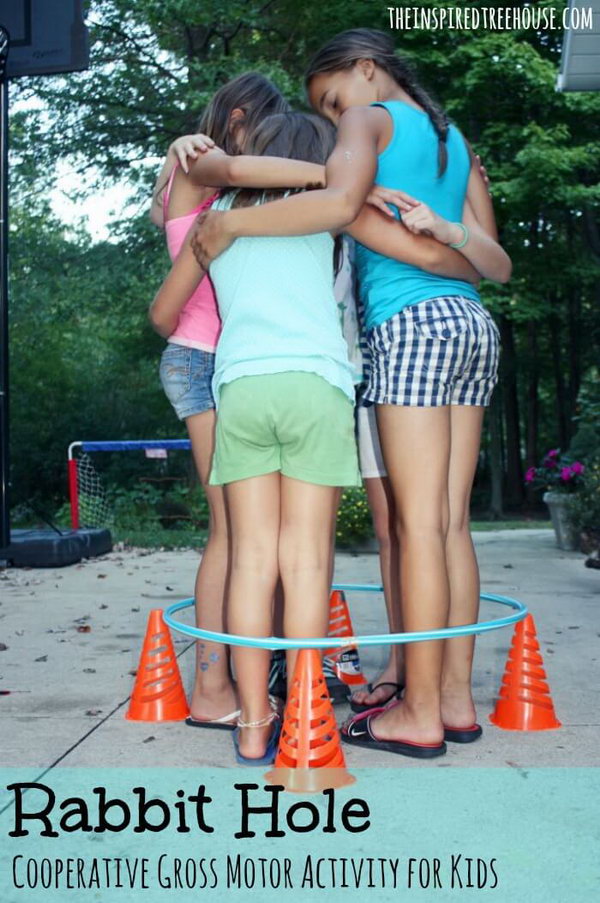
{"x":307,"y":522}
{"x":416,"y":449}
{"x":383,"y":512}
{"x":292,"y":654}
{"x":214,"y":694}
{"x":254,"y":506}
{"x":457,"y":702}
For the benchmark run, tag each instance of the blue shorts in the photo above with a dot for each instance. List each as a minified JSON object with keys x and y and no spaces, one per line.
{"x":186,"y":376}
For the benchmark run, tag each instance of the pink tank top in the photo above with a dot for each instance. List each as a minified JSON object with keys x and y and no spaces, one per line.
{"x":199,"y":324}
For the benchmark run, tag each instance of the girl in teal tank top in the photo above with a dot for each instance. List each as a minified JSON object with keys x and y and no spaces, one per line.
{"x":434,"y":354}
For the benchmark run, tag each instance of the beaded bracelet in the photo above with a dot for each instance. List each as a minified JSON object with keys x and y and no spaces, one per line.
{"x":457,"y":245}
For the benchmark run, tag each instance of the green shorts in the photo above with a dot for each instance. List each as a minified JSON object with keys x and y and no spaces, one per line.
{"x":293,"y":422}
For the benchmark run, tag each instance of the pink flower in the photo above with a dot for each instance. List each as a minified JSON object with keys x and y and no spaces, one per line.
{"x":577,"y":468}
{"x":550,"y":459}
{"x":530,"y":475}
{"x":553,"y":453}
{"x":565,"y":474}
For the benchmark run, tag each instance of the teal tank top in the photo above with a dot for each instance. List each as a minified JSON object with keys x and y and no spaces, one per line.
{"x":278,"y":309}
{"x":410,"y":163}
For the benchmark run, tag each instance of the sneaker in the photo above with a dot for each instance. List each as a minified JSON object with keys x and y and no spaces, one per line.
{"x":338,"y":691}
{"x":278,"y":675}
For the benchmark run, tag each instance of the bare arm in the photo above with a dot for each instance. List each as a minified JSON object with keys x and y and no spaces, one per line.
{"x":391,"y":239}
{"x":476,"y":245}
{"x":483,"y":250}
{"x":219,"y":170}
{"x":479,"y":199}
{"x":156,"y":210}
{"x":350,"y":171}
{"x":176,"y":290}
{"x":181,"y":151}
{"x":214,"y":168}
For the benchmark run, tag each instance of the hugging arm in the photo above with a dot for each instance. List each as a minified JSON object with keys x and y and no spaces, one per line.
{"x":180,"y":151}
{"x":176,"y":290}
{"x":479,"y":200}
{"x":483,"y":250}
{"x":219,"y":170}
{"x":350,"y":171}
{"x":212,"y":168}
{"x":477,"y":244}
{"x":157,"y":213}
{"x":391,"y":239}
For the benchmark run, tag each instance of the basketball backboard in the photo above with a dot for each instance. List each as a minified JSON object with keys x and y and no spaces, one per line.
{"x":46,"y":36}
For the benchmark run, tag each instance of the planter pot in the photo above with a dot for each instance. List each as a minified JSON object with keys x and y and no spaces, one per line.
{"x":559,"y":504}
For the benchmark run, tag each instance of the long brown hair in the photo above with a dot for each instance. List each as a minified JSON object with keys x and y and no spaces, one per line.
{"x":294,"y":136}
{"x":346,"y":48}
{"x":254,"y":95}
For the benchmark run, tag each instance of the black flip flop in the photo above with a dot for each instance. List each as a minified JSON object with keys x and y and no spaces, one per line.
{"x":359,"y":707}
{"x":365,"y":737}
{"x":463,"y":734}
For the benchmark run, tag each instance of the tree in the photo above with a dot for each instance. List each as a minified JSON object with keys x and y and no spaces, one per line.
{"x":154,"y":65}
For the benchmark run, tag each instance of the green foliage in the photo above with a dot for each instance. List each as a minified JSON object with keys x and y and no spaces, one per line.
{"x":147,"y":509}
{"x":585,"y":511}
{"x":586,"y":441}
{"x":83,"y":360}
{"x":354,"y":524}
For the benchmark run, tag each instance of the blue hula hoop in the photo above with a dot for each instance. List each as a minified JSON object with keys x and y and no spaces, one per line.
{"x":380,"y":639}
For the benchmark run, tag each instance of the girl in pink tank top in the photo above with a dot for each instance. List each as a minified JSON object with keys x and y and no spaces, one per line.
{"x":199,"y":324}
{"x":187,"y":366}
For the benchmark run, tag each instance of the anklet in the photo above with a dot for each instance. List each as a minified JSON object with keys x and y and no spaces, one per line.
{"x":261,"y":723}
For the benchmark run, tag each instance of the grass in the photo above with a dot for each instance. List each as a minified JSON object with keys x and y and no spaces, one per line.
{"x":158,"y":538}
{"x":481,"y":526}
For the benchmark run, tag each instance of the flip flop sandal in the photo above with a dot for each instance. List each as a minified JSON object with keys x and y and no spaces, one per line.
{"x":357,"y":726}
{"x":365,"y":706}
{"x":451,"y":734}
{"x":463,"y":734}
{"x":359,"y":732}
{"x":271,"y":749}
{"x":226,"y":723}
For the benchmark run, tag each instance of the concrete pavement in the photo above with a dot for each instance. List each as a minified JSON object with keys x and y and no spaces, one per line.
{"x":69,"y":688}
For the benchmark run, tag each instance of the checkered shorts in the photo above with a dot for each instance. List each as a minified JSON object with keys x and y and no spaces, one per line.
{"x":439,"y":352}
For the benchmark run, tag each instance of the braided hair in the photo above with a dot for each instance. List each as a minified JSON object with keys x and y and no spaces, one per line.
{"x":343,"y":51}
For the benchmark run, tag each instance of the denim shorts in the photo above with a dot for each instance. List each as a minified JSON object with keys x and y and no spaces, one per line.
{"x":440,"y":352}
{"x":186,"y":376}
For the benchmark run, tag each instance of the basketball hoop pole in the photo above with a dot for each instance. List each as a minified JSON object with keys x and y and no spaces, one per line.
{"x":4,"y":425}
{"x":54,"y":40}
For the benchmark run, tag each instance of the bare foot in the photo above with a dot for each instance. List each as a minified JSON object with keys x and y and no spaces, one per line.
{"x":253,"y":741}
{"x":457,"y":707}
{"x":213,"y":704}
{"x":401,"y":722}
{"x":382,"y":694}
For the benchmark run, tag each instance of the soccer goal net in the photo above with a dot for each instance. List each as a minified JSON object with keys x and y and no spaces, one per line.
{"x":91,"y":495}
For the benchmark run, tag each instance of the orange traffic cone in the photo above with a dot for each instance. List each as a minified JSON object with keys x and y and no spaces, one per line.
{"x":158,"y":693}
{"x":524,"y":702}
{"x":310,"y":757}
{"x":344,"y":661}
